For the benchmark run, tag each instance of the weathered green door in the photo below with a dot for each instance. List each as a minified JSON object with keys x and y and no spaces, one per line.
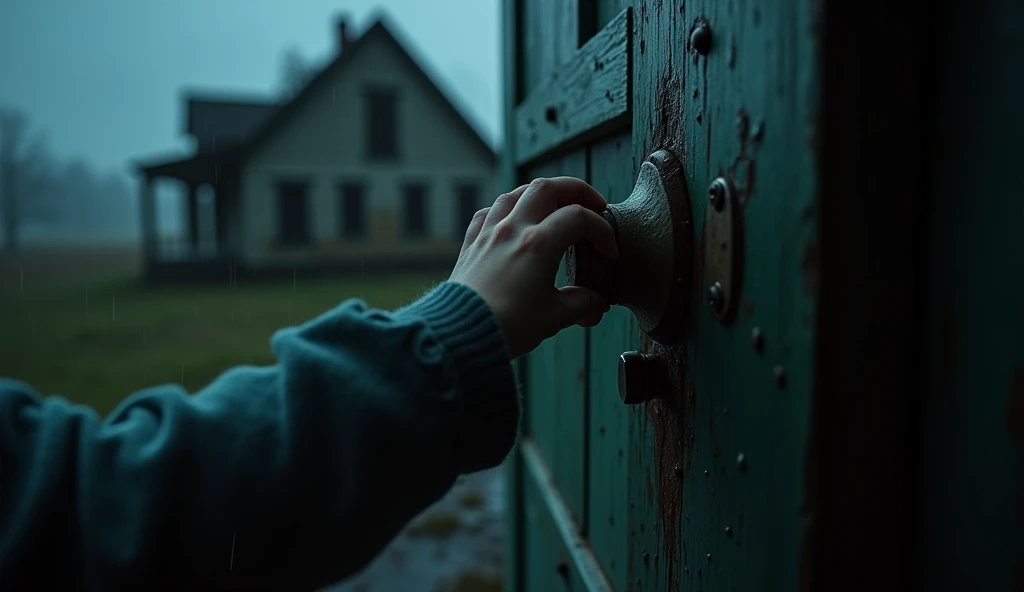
{"x":835,"y":414}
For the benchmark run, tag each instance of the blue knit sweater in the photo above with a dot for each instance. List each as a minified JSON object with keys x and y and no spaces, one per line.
{"x":286,"y":477}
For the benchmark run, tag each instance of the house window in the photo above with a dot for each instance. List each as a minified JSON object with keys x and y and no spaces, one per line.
{"x":467,"y":200}
{"x":292,"y":213}
{"x":382,"y":129}
{"x":415,"y":220}
{"x":353,"y":211}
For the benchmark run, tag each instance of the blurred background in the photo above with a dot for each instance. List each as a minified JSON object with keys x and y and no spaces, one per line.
{"x":179,"y":180}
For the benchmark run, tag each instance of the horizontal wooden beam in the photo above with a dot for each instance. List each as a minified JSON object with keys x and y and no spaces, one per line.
{"x":583,"y":558}
{"x":588,"y":91}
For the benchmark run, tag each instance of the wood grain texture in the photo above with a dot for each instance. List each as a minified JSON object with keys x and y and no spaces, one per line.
{"x":590,"y":90}
{"x":555,"y":407}
{"x":716,"y":522}
{"x":607,"y":521}
{"x":548,"y":563}
{"x":550,"y":37}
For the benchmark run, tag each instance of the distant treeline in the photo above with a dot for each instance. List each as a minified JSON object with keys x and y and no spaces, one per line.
{"x":48,"y":199}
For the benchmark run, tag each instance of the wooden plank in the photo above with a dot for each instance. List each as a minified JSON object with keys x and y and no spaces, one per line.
{"x":584,"y":563}
{"x":514,"y":535}
{"x":607,"y":520}
{"x":713,"y":519}
{"x":556,"y":405}
{"x":590,"y":90}
{"x":550,"y":37}
{"x":607,"y":10}
{"x":970,"y":494}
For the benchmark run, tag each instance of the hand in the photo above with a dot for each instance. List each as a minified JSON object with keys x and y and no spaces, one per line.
{"x":511,"y":254}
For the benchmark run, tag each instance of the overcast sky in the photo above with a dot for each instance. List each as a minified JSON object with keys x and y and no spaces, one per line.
{"x":103,"y":78}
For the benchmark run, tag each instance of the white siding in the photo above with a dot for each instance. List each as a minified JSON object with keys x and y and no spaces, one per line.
{"x":325,"y":144}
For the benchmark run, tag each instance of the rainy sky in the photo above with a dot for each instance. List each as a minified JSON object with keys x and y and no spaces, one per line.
{"x":104,"y":78}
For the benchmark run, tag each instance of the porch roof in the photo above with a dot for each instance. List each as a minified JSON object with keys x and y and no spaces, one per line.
{"x":205,"y":167}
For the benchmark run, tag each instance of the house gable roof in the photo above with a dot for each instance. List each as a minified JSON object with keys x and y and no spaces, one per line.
{"x":350,"y":55}
{"x":281,"y":115}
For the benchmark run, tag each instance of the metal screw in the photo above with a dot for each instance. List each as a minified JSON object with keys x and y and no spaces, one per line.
{"x":646,"y":557}
{"x":634,"y":377}
{"x":709,"y":557}
{"x":728,"y":532}
{"x":757,"y":339}
{"x":678,"y":470}
{"x":716,"y":297}
{"x":716,"y":195}
{"x":741,"y":461}
{"x":700,"y":39}
{"x":705,"y":472}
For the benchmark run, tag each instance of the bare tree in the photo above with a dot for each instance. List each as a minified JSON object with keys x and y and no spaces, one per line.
{"x":23,"y":159}
{"x":296,"y":72}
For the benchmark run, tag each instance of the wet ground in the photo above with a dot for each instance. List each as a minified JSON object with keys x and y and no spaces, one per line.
{"x":456,"y":545}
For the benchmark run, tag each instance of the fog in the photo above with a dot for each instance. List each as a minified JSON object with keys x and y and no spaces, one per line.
{"x":87,"y":88}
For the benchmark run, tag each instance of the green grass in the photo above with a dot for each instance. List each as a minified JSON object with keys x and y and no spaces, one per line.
{"x":96,"y":339}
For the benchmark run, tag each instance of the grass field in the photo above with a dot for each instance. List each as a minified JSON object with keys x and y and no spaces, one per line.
{"x":82,"y":326}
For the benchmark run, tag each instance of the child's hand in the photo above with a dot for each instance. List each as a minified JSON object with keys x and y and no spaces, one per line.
{"x":512,"y":251}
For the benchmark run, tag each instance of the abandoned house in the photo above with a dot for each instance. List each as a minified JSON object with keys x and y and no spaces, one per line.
{"x":368,"y":167}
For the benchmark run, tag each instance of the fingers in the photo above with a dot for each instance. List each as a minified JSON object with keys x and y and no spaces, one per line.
{"x":503,"y":205}
{"x":571,"y":224}
{"x":580,"y":306}
{"x":544,"y":196}
{"x":475,"y":225}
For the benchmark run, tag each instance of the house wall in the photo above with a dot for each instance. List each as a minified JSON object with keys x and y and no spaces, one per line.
{"x":324,"y":144}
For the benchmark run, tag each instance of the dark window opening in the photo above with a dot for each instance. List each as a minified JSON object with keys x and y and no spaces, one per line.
{"x":292,"y":213}
{"x":415,"y":225}
{"x":382,"y":128}
{"x":353,"y":211}
{"x":467,"y":203}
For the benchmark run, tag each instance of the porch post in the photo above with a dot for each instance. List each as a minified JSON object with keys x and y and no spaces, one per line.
{"x":220,"y":217}
{"x":193,"y":217}
{"x":147,"y":208}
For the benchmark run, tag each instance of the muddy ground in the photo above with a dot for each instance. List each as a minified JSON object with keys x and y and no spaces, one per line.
{"x":457,"y":545}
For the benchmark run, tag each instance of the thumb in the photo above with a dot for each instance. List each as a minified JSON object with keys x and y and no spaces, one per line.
{"x":580,"y":306}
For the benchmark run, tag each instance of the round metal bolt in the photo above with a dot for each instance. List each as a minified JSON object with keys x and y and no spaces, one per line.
{"x":757,"y":339}
{"x":677,"y":470}
{"x":741,"y":461}
{"x":780,"y":376}
{"x":700,"y":39}
{"x":716,"y":195}
{"x":709,"y":557}
{"x":646,"y":558}
{"x":634,"y":377}
{"x":716,"y":298}
{"x":728,"y":532}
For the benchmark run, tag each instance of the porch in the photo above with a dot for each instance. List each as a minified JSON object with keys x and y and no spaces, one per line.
{"x":208,"y":247}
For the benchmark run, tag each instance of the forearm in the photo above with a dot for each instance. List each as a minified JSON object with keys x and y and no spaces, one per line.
{"x":289,"y":476}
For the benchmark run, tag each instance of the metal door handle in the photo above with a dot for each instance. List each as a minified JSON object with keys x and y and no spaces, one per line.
{"x":654,"y":233}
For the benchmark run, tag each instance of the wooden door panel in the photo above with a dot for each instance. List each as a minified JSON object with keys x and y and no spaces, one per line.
{"x":555,"y":417}
{"x":586,"y":96}
{"x":611,"y":166}
{"x":717,"y":464}
{"x":550,"y":35}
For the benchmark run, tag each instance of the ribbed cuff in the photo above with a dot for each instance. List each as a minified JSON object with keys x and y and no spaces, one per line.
{"x":475,"y":346}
